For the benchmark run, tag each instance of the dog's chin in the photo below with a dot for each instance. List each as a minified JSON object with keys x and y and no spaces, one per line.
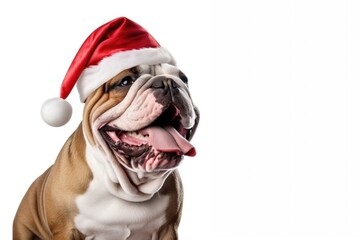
{"x":153,"y":148}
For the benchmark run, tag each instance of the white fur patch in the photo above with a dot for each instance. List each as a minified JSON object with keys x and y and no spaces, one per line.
{"x":104,"y":216}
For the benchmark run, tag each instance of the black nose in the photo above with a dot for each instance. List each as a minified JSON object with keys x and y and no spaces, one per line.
{"x":159,"y":83}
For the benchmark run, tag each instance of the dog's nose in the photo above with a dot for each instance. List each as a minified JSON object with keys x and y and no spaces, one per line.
{"x":165,"y":83}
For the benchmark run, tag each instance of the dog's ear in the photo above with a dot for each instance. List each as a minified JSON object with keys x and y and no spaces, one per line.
{"x":197,"y":119}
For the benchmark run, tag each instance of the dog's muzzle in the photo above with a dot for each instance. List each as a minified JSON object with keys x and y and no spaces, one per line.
{"x":162,"y":119}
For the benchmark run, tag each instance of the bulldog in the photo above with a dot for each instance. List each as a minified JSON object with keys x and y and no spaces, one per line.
{"x":116,"y":177}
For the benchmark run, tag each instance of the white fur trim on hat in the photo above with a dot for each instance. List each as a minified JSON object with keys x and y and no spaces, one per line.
{"x":94,"y":76}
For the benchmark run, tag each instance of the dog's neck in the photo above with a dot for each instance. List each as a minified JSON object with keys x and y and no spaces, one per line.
{"x":142,"y":190}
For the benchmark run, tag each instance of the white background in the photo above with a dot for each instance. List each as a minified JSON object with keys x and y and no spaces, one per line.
{"x":277,"y":83}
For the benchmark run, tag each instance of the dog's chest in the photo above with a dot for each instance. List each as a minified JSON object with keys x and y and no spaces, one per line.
{"x":104,"y":216}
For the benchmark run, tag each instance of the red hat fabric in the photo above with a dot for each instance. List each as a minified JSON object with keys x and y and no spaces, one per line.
{"x":113,"y":47}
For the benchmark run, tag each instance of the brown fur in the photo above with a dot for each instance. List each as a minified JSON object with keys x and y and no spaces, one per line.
{"x":48,"y":208}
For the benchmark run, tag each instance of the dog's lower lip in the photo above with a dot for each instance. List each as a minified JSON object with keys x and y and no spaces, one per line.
{"x":131,"y":151}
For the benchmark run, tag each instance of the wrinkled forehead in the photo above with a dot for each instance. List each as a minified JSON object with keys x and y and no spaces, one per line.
{"x":138,"y":71}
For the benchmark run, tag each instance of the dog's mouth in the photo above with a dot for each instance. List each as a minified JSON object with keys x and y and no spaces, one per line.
{"x":159,"y":146}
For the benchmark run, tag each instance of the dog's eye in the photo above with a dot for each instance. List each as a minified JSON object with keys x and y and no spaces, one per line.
{"x":183,"y":77}
{"x":126,"y":81}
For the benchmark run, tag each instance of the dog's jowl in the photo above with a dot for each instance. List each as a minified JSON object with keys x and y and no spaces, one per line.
{"x":115,"y":177}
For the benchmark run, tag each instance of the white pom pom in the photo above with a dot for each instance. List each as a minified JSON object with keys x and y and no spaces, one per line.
{"x":56,"y":112}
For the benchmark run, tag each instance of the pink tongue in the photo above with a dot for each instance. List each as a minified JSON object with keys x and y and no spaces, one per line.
{"x":168,"y":140}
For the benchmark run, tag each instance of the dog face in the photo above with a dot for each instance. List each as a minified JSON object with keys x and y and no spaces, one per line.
{"x":143,"y":118}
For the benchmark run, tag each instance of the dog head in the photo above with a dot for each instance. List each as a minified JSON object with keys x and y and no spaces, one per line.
{"x":142,"y":119}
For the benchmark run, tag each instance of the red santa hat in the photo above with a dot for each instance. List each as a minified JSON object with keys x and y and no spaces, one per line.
{"x":115,"y":46}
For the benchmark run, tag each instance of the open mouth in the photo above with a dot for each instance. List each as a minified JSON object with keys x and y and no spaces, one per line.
{"x":159,"y":146}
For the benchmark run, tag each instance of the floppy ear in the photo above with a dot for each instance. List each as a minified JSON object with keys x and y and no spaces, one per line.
{"x":197,"y":113}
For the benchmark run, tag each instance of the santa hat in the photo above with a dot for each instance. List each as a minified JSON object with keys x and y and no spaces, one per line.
{"x":115,"y":46}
